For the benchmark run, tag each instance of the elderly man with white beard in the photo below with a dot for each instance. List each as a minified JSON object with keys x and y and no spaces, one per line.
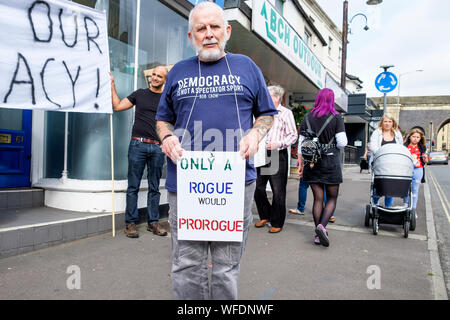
{"x":224,"y":91}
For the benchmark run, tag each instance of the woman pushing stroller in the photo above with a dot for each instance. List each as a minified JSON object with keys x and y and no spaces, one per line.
{"x":386,"y":133}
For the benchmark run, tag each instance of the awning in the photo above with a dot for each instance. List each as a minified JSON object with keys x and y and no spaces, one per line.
{"x":273,"y":65}
{"x":359,"y":111}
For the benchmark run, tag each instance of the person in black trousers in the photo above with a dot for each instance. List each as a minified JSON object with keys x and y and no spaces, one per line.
{"x":144,"y":150}
{"x":282,"y":134}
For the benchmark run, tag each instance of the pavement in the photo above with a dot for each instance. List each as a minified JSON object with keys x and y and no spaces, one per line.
{"x":283,"y":266}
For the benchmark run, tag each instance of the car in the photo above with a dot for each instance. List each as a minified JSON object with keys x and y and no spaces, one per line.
{"x":437,"y":157}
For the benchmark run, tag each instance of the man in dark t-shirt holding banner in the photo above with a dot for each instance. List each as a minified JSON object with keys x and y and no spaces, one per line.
{"x":144,"y":150}
{"x":205,"y":123}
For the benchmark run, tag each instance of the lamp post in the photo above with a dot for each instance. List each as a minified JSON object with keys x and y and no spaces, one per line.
{"x":344,"y":44}
{"x":385,"y":68}
{"x":374,"y":2}
{"x":358,"y":14}
{"x":431,"y":135}
{"x":345,"y":24}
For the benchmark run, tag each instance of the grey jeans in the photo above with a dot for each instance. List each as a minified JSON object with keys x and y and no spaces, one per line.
{"x":190,"y":259}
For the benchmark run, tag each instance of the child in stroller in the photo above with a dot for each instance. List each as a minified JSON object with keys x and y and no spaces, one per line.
{"x":392,"y":171}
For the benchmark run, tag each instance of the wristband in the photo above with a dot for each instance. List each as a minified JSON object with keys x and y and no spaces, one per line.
{"x":169,"y":135}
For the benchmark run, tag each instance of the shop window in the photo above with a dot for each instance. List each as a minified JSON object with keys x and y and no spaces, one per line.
{"x":11,"y":119}
{"x":330,"y":46}
{"x":307,"y":36}
{"x":89,"y":134}
{"x":279,"y":4}
{"x":87,"y":3}
{"x":163,"y":38}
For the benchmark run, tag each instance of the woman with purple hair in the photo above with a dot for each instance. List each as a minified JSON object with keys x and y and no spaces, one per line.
{"x":325,"y":175}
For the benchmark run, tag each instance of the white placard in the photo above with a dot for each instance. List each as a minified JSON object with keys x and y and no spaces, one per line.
{"x":210,"y":196}
{"x":260,"y":158}
{"x":54,"y":56}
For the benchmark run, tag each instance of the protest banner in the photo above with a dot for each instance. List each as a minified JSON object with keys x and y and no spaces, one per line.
{"x":54,"y":56}
{"x":210,"y":195}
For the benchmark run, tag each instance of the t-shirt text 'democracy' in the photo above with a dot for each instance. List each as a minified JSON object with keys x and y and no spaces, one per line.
{"x":213,"y":125}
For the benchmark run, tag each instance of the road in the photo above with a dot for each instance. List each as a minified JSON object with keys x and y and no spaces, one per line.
{"x":283,"y":266}
{"x":439,"y":184}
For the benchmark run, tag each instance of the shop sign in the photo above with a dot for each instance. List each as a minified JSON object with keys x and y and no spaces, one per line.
{"x":210,"y":196}
{"x":54,"y":56}
{"x":273,"y":28}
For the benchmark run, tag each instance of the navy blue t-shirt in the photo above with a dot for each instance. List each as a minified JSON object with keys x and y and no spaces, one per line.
{"x":214,"y":112}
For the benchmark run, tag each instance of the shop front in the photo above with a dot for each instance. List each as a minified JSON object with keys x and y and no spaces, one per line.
{"x":143,"y":34}
{"x":360,"y":122}
{"x":266,"y":36}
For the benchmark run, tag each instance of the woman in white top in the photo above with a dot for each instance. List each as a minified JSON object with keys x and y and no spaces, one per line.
{"x":387,"y":132}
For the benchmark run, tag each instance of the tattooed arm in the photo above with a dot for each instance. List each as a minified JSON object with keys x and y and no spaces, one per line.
{"x":263,"y":125}
{"x":171,"y":145}
{"x":249,"y":144}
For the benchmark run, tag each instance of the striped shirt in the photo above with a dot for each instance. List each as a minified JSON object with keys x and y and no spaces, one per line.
{"x":283,"y":130}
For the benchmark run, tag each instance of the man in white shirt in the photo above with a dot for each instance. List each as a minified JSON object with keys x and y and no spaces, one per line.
{"x":282,"y":134}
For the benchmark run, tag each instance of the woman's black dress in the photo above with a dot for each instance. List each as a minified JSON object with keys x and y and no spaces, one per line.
{"x":328,"y":170}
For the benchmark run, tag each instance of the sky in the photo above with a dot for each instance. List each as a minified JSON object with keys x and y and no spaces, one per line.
{"x":409,"y":34}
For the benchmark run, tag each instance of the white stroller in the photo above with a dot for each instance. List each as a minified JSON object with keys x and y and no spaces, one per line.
{"x":392,"y":171}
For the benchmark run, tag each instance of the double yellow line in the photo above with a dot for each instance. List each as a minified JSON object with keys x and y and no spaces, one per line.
{"x":441,"y":195}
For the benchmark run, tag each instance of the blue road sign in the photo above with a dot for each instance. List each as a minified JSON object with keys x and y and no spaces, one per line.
{"x":386,"y":82}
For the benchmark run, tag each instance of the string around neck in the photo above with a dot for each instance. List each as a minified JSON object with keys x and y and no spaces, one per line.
{"x":195,"y":99}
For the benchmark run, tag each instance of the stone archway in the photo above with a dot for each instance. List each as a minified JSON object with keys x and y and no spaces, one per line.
{"x":442,"y":124}
{"x":442,"y":142}
{"x":430,"y":113}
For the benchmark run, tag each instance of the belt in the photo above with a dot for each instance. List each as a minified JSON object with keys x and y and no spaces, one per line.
{"x":146,"y":140}
{"x":327,"y":147}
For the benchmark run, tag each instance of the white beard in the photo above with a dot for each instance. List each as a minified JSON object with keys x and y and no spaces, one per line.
{"x":210,"y":55}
